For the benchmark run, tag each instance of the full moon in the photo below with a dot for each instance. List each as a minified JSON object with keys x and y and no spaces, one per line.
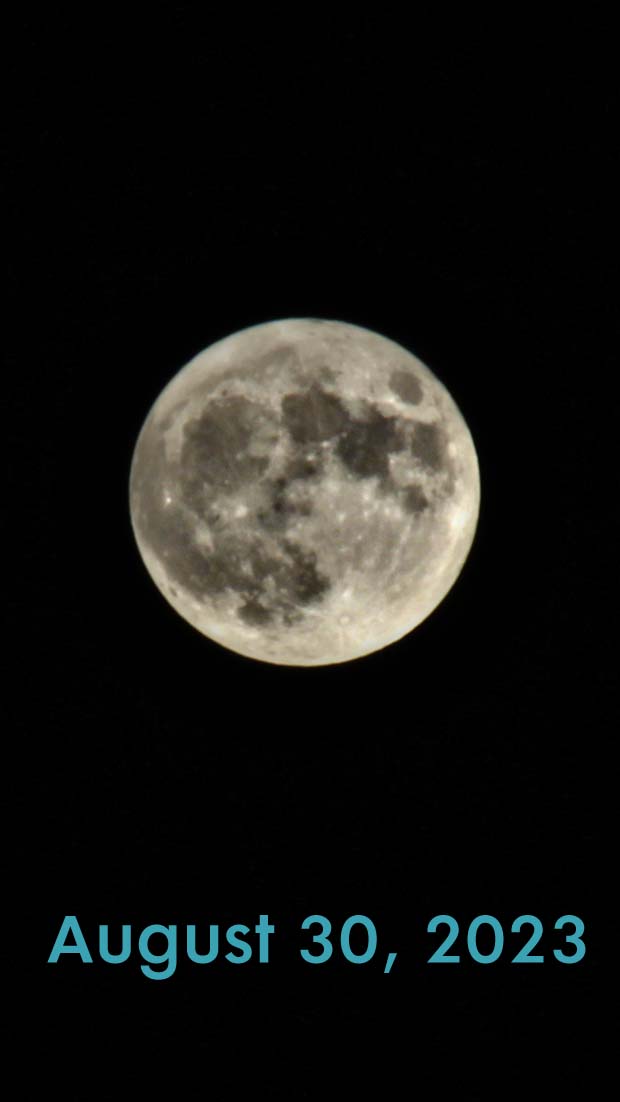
{"x":304,"y":492}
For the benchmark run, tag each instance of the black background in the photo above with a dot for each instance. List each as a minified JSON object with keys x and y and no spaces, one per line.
{"x":175,"y":179}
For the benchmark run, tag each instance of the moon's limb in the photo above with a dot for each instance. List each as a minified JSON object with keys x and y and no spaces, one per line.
{"x":304,"y":492}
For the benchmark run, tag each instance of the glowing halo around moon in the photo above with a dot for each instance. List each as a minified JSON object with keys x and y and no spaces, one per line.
{"x":304,"y":492}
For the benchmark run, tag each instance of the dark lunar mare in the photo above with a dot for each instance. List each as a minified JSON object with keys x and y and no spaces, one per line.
{"x":364,"y":444}
{"x":406,"y":386}
{"x":220,"y":454}
{"x":214,"y":462}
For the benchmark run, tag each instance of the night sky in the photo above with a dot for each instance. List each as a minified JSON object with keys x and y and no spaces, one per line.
{"x":173,"y":179}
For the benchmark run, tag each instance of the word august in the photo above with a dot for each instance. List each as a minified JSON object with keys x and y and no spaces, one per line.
{"x":235,"y":936}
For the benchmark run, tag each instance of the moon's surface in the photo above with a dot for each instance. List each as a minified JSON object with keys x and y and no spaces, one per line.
{"x":304,"y":492}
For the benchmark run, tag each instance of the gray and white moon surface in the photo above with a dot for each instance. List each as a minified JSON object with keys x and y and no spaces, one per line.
{"x":304,"y":492}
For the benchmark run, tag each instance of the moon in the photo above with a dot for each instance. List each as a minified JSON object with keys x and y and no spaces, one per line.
{"x":304,"y":492}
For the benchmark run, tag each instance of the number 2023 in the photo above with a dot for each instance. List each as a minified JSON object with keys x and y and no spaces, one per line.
{"x":524,"y":956}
